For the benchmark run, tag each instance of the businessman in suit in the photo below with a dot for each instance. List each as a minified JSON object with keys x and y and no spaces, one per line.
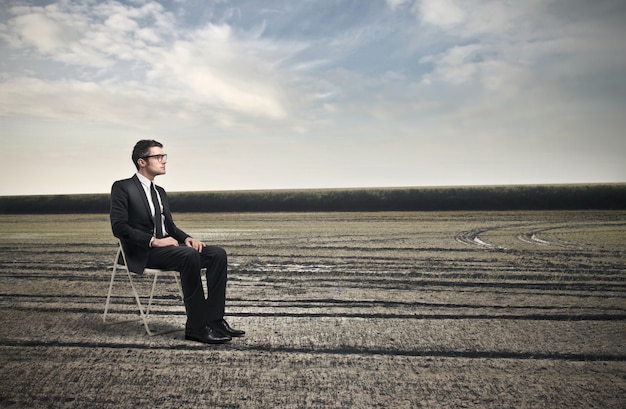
{"x":151,"y":240}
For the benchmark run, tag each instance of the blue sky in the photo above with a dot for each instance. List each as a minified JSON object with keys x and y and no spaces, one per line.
{"x":312,"y":94}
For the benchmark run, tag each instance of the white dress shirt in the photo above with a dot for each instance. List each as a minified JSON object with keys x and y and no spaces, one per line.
{"x":145,"y":182}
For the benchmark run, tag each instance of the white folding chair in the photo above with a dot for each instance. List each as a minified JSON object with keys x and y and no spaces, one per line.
{"x":144,"y":313}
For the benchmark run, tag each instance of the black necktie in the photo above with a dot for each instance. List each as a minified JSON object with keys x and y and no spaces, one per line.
{"x":157,"y":212}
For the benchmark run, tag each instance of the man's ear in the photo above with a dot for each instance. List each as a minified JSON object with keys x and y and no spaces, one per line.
{"x":141,"y":162}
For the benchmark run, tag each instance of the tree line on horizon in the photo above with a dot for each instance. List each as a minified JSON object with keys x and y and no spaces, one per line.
{"x":519,"y":197}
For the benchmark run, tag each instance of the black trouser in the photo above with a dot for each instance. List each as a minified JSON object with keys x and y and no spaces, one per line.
{"x":188,"y":261}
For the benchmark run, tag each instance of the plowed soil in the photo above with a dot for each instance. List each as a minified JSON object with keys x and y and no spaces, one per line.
{"x":342,"y":310}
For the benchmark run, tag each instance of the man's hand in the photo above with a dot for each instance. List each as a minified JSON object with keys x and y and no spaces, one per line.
{"x":165,"y":242}
{"x":195,"y":243}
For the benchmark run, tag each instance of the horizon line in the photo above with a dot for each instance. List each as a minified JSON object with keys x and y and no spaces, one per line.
{"x":341,"y":188}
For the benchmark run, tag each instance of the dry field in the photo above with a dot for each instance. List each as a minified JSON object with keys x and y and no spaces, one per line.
{"x":342,"y":310}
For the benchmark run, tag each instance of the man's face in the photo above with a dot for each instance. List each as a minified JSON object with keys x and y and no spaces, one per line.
{"x":154,"y":164}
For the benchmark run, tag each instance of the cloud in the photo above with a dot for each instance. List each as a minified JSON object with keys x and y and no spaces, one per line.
{"x":394,"y":4}
{"x":69,"y":33}
{"x":41,"y":31}
{"x":85,"y":101}
{"x":442,"y":13}
{"x":455,"y":65}
{"x":219,"y":70}
{"x":507,"y":47}
{"x":206,"y":70}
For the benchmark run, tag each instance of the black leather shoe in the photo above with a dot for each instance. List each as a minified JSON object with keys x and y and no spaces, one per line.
{"x":206,"y":335}
{"x":222,"y":327}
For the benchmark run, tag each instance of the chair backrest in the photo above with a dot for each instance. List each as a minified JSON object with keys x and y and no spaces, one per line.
{"x":120,"y":252}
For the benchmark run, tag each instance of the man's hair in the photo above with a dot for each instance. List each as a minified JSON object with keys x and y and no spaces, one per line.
{"x":142,"y":149}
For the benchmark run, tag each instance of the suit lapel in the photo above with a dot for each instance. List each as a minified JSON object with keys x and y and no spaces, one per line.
{"x":162,"y":197}
{"x":142,"y":194}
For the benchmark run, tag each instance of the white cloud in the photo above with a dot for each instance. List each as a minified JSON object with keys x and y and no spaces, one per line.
{"x":217,"y":71}
{"x":83,"y":101}
{"x":121,"y":23}
{"x":206,"y":70}
{"x":486,"y":17}
{"x":42,"y":32}
{"x":513,"y":47}
{"x":398,"y":3}
{"x":443,"y":13}
{"x":456,"y":65}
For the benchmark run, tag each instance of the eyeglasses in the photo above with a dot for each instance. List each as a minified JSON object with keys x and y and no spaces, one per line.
{"x":160,"y":158}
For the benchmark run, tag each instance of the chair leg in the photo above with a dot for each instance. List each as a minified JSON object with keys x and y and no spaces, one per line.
{"x":180,"y":287}
{"x":106,"y":306}
{"x":154,"y":283}
{"x":142,"y":314}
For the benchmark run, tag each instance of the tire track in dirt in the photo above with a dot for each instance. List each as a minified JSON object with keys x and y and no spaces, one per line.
{"x":472,"y":237}
{"x":344,"y":350}
{"x":566,"y":317}
{"x":533,"y":236}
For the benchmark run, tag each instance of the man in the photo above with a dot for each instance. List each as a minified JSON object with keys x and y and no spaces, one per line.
{"x":152,"y":240}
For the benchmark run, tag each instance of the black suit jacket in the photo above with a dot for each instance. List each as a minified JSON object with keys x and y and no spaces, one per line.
{"x":132,"y":222}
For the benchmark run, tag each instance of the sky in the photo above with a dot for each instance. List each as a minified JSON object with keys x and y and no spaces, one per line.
{"x":284,"y":94}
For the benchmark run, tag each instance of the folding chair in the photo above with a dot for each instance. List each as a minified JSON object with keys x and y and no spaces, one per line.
{"x":144,"y":313}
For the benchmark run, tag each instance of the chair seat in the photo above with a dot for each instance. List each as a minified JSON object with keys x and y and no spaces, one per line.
{"x":150,"y":271}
